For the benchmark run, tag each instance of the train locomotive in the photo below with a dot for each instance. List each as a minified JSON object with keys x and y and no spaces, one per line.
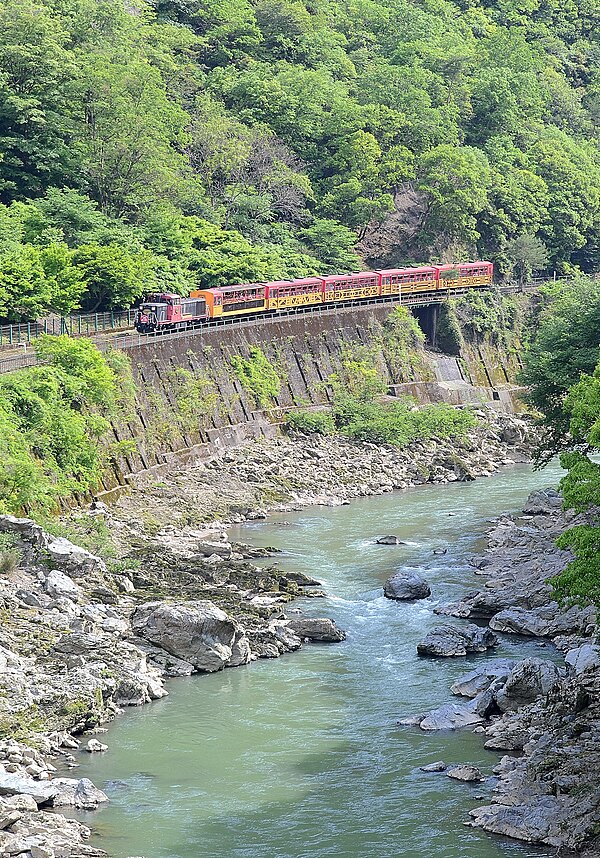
{"x":166,"y":311}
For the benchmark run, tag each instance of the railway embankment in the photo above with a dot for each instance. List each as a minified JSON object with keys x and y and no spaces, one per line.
{"x":192,"y":401}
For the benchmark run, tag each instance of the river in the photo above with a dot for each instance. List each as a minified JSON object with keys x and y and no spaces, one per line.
{"x":302,"y":756}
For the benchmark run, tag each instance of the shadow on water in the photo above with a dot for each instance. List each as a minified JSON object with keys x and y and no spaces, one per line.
{"x":303,"y":756}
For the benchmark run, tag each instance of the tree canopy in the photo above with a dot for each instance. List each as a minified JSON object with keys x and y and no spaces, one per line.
{"x":563,"y":371}
{"x":278,"y":138}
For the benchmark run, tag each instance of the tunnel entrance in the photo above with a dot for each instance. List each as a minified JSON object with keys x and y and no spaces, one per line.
{"x":428,"y":319}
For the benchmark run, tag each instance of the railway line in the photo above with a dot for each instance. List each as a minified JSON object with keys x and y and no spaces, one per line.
{"x":131,"y":339}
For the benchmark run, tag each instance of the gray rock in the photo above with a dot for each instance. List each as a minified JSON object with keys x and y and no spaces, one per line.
{"x":536,"y":821}
{"x":41,"y":791}
{"x":406,"y":586}
{"x":585,"y":657}
{"x":469,"y":774}
{"x":526,"y":682}
{"x":451,"y":716}
{"x":449,"y":641}
{"x":59,"y":585}
{"x":389,"y":540}
{"x":88,"y":796}
{"x":94,"y":746}
{"x":317,"y":629}
{"x":208,"y":549}
{"x":520,"y":622}
{"x":74,"y":560}
{"x":480,"y":679}
{"x":543,"y":502}
{"x":439,"y":766}
{"x":197,"y":632}
{"x":9,"y":817}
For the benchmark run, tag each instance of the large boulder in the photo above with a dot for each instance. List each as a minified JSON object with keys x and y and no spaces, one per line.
{"x":449,"y":641}
{"x":546,"y":621}
{"x":469,"y":774}
{"x":41,"y":791}
{"x":74,"y":560}
{"x":473,"y":683}
{"x":535,"y":822}
{"x":389,"y":540}
{"x":59,"y":585}
{"x":527,"y":681}
{"x":585,"y":657}
{"x":197,"y":632}
{"x":404,"y":586}
{"x":82,"y":793}
{"x":317,"y":629}
{"x":543,"y":502}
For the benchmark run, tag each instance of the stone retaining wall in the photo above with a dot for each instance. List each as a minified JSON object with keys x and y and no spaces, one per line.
{"x":305,"y":351}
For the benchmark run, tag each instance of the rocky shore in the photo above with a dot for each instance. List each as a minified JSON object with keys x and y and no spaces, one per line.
{"x":294,"y":471}
{"x":544,"y":714}
{"x":79,"y":642}
{"x":81,"y":639}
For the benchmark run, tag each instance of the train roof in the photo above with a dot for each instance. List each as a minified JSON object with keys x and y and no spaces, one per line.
{"x":418,"y":269}
{"x":299,"y":281}
{"x":449,"y":266}
{"x":329,"y":277}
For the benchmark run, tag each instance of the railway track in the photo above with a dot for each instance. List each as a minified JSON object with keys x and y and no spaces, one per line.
{"x":131,"y":340}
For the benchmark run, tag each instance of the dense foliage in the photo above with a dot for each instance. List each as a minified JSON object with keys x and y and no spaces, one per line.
{"x":563,"y":369}
{"x":398,"y":423}
{"x":566,"y":345}
{"x":175,"y":143}
{"x":52,"y":419}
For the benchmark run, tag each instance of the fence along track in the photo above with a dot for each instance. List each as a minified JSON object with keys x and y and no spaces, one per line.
{"x":134,"y":340}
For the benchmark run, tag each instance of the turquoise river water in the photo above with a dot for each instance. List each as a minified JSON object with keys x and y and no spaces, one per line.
{"x":301,"y":757}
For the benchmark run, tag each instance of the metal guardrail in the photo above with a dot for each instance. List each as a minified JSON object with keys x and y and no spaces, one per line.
{"x":135,"y":340}
{"x":82,"y":325}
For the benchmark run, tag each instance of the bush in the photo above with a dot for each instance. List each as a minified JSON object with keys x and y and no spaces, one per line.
{"x":398,"y":424}
{"x":311,"y":422}
{"x":53,"y":424}
{"x":257,"y":376}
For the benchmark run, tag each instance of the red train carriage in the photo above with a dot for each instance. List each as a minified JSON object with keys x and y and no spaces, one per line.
{"x":406,"y":280}
{"x":465,"y":274}
{"x":346,"y":287}
{"x":294,"y":293}
{"x":166,"y":310}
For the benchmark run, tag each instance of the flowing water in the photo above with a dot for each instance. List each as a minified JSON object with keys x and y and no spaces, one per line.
{"x":302,"y":756}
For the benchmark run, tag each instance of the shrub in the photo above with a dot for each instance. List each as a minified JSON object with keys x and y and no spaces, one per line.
{"x":9,"y":560}
{"x":309,"y":422}
{"x":257,"y":376}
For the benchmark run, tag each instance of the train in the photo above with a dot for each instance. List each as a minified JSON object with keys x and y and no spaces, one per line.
{"x":167,"y":311}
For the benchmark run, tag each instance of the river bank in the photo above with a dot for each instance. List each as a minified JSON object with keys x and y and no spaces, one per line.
{"x":261,"y":759}
{"x":119,"y":635}
{"x":81,"y":638}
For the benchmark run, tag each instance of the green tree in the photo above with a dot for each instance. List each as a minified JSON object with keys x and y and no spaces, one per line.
{"x":565,"y":346}
{"x":455,"y":182}
{"x":528,"y":255}
{"x":25,"y":292}
{"x":113,"y":277}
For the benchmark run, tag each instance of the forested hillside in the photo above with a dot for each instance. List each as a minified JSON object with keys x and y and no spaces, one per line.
{"x":169,"y":143}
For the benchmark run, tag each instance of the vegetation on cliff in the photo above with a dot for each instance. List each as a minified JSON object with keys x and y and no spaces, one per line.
{"x":173,"y":143}
{"x":562,"y":369}
{"x":54,"y":423}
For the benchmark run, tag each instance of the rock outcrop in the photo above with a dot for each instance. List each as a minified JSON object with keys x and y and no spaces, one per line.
{"x":406,"y":586}
{"x":450,"y":641}
{"x":197,"y":632}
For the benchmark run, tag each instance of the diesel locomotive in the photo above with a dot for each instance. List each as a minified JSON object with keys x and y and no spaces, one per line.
{"x":167,"y":311}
